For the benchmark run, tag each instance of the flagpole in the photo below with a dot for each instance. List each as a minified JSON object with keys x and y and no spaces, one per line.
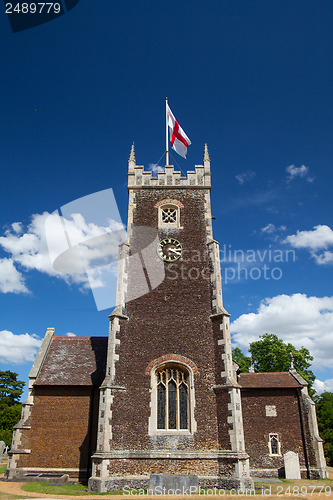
{"x":166,"y":131}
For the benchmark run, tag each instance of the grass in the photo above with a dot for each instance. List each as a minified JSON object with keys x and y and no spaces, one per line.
{"x":291,"y":488}
{"x":75,"y":489}
{"x":8,"y":496}
{"x":296,"y":488}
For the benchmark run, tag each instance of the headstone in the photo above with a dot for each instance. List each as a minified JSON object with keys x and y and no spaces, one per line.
{"x":173,"y":484}
{"x":2,"y":449}
{"x":291,"y":465}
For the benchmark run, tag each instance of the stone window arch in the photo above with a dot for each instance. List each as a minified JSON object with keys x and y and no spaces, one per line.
{"x":169,"y":213}
{"x":172,"y":399}
{"x":274,"y":445}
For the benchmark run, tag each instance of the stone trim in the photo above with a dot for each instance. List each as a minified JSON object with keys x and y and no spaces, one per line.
{"x":133,"y":188}
{"x":41,"y":355}
{"x":215,"y":277}
{"x":113,"y":343}
{"x":53,"y":469}
{"x":123,"y":255}
{"x":316,"y":441}
{"x":177,"y":358}
{"x":277,"y":437}
{"x":104,"y":430}
{"x":174,"y":204}
{"x":19,"y":452}
{"x":236,"y":434}
{"x":139,"y":178}
{"x":298,"y":377}
{"x":171,"y":454}
{"x":208,"y":217}
{"x":169,"y":201}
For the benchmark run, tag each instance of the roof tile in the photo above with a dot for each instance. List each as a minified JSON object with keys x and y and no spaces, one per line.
{"x":74,"y":361}
{"x":267,"y":380}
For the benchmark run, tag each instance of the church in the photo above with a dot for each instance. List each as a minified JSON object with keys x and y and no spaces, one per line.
{"x":161,"y":394}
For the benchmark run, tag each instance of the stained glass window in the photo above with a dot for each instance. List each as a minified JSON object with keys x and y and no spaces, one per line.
{"x":274,"y":444}
{"x":172,"y":398}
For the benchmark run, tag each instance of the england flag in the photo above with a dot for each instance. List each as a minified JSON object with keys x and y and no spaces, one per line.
{"x":178,"y":139}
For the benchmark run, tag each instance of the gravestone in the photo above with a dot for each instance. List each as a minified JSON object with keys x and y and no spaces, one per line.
{"x":2,"y":449}
{"x":291,"y":465}
{"x":173,"y":484}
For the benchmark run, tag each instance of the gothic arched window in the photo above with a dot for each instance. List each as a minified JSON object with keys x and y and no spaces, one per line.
{"x":274,"y":444}
{"x":172,"y":383}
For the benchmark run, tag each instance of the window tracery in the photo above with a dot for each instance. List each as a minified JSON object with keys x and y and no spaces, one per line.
{"x":274,"y":444}
{"x":172,"y":398}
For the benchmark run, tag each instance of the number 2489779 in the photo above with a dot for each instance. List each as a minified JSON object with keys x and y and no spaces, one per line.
{"x":33,"y":8}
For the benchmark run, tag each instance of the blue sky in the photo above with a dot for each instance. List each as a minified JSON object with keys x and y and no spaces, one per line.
{"x":252,"y":79}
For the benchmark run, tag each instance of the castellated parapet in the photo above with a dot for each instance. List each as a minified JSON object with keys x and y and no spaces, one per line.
{"x":139,"y":178}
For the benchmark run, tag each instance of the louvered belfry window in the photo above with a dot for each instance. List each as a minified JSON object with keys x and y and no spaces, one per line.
{"x":172,"y":398}
{"x":169,"y":215}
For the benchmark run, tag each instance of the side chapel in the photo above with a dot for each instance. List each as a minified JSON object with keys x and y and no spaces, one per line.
{"x":161,"y":393}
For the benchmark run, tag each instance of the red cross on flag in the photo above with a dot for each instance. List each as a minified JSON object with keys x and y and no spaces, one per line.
{"x":178,"y":139}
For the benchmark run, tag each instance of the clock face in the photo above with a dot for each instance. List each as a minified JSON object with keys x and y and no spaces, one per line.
{"x":169,"y":249}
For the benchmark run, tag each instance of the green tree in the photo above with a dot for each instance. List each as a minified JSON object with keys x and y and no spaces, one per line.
{"x":6,"y":436}
{"x":10,"y":416}
{"x":271,"y":354}
{"x":11,"y":390}
{"x":243,"y":361}
{"x":324,"y":407}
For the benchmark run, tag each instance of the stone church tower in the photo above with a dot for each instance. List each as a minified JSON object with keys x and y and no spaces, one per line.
{"x":170,"y":401}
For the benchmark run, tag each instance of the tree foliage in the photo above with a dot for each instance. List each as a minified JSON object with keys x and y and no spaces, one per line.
{"x":271,"y":354}
{"x":11,"y":390}
{"x":324,"y":407}
{"x":242,"y":360}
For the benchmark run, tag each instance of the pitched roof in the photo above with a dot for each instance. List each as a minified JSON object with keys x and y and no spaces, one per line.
{"x":74,"y":361}
{"x":267,"y":380}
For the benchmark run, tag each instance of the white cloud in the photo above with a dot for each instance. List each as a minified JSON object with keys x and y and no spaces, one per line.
{"x":270,"y":228}
{"x":324,"y":258}
{"x":154,"y":167}
{"x":272,"y":231}
{"x":30,"y":250}
{"x":319,"y":238}
{"x":17,"y":227}
{"x":70,"y":334}
{"x":11,"y":280}
{"x":303,"y":172}
{"x":298,"y":319}
{"x":321,"y":386}
{"x":245,"y":176}
{"x":18,"y":349}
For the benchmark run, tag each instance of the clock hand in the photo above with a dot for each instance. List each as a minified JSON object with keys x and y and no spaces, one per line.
{"x":173,"y":250}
